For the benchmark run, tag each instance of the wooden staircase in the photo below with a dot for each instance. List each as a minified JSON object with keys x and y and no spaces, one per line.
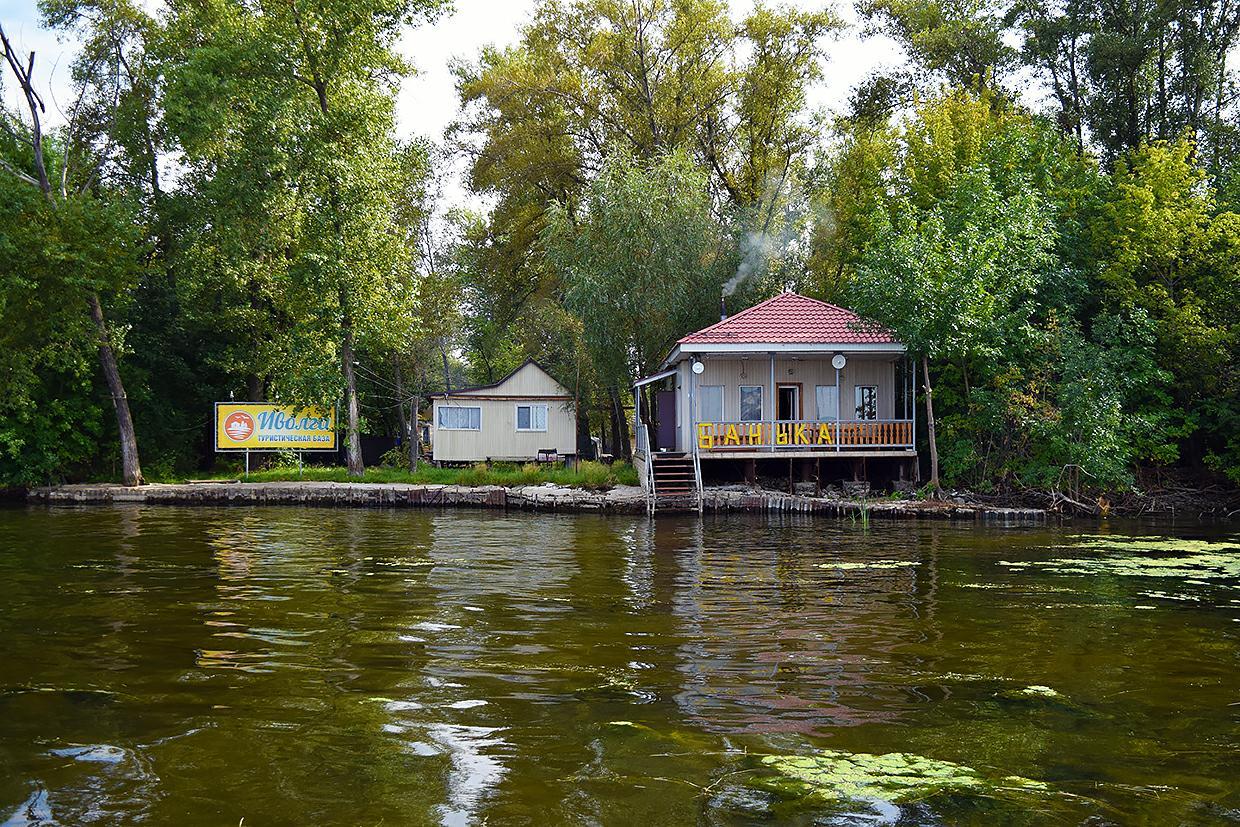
{"x":675,"y":479}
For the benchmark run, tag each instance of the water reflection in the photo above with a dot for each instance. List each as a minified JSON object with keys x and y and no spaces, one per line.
{"x":204,"y":666}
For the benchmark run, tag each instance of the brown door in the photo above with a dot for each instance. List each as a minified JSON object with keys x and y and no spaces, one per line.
{"x":665,"y":412}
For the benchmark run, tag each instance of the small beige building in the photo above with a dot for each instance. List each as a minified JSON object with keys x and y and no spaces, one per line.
{"x":515,"y":419}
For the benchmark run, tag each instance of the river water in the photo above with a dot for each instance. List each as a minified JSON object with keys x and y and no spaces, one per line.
{"x":301,"y":666}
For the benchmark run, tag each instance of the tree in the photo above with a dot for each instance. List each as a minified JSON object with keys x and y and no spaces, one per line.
{"x":952,"y":280}
{"x":81,"y":227}
{"x":1165,"y":250}
{"x":591,"y":78}
{"x":1125,"y":73}
{"x":642,"y":261}
{"x":962,"y":43}
{"x":298,"y":98}
{"x":957,"y":240}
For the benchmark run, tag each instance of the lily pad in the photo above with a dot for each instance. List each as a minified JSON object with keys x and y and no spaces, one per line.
{"x":895,"y":777}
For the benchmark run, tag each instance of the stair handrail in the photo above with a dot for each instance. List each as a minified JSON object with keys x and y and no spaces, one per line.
{"x":650,"y":492}
{"x":697,"y":478}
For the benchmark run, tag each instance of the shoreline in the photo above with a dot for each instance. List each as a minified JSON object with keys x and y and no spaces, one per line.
{"x":622,"y":499}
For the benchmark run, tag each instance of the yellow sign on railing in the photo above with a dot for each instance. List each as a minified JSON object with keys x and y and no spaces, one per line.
{"x":865,"y":433}
{"x":711,"y":435}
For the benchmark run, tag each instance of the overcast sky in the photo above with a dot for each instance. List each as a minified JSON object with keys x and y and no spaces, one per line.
{"x":427,"y":102}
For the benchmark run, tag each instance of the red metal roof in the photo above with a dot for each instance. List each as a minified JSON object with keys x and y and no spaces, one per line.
{"x":791,"y":318}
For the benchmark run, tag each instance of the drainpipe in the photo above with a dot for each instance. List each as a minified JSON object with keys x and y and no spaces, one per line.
{"x":773,"y":402}
{"x":692,"y":435}
{"x":838,"y":402}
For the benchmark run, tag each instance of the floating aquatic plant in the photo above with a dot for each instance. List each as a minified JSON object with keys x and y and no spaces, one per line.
{"x":895,"y":777}
{"x":871,"y":564}
{"x":1038,"y":691}
{"x":1197,"y":561}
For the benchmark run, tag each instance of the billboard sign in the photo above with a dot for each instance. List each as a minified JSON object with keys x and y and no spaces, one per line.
{"x":246,"y":426}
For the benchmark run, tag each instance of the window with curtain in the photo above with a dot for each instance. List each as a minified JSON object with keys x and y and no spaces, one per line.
{"x":455,"y":418}
{"x":751,"y":403}
{"x":828,"y":398}
{"x":531,"y":417}
{"x":710,"y":405}
{"x":867,"y":401}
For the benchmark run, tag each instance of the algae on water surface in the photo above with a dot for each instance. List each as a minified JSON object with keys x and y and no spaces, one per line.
{"x":1190,"y":560}
{"x":896,"y":777}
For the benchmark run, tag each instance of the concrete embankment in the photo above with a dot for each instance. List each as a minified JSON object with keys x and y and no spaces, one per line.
{"x":619,"y":500}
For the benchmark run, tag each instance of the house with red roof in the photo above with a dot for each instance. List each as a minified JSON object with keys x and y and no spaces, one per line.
{"x":790,"y":388}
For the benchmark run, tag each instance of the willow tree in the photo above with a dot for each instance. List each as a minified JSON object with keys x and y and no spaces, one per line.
{"x":642,"y":261}
{"x":590,"y":78}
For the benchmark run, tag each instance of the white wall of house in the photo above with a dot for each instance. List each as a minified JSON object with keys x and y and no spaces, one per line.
{"x":809,"y":371}
{"x":497,"y":436}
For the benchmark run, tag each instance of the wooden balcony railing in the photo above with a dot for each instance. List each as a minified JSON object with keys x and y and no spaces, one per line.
{"x":811,"y":435}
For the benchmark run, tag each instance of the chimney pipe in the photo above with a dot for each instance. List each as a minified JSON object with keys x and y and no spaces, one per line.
{"x":723,"y":309}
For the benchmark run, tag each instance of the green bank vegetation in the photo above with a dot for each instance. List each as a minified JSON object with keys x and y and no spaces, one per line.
{"x":228,"y":212}
{"x":593,"y":476}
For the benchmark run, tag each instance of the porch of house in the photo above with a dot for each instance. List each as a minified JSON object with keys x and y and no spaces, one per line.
{"x":794,"y":416}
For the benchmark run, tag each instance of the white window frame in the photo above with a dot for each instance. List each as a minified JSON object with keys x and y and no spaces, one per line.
{"x":439,"y":417}
{"x":740,"y":408}
{"x":857,"y":401}
{"x":702,"y":417}
{"x":516,"y":417}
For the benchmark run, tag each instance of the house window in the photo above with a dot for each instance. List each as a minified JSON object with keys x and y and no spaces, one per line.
{"x":751,"y":403}
{"x":711,"y":403}
{"x":531,"y":417}
{"x":867,"y":402}
{"x":828,"y":398}
{"x":456,"y":418}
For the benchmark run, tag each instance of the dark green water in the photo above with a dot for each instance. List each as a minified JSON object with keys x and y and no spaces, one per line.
{"x":286,"y":666}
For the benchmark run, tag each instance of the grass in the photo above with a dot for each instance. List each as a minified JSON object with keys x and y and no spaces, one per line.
{"x":589,"y":475}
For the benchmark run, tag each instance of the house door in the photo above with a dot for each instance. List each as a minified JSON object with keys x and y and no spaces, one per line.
{"x":665,"y":413}
{"x":789,"y":408}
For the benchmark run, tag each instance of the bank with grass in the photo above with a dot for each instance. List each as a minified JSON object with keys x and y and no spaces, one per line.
{"x":591,"y":476}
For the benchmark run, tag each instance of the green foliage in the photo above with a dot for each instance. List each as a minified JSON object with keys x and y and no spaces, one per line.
{"x":965,"y":258}
{"x":593,"y":476}
{"x":643,"y":260}
{"x":53,"y":417}
{"x":1073,"y":278}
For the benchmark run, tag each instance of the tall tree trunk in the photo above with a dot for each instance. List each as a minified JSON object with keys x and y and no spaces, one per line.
{"x":934,"y":445}
{"x":415,"y":434}
{"x":585,"y":445}
{"x":621,"y":428}
{"x":353,"y":439}
{"x":255,"y":391}
{"x":626,"y":443}
{"x":131,"y":469}
{"x":406,"y":432}
{"x":614,"y":418}
{"x":447,"y":377}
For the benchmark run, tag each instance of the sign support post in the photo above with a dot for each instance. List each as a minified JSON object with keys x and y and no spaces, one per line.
{"x":247,"y":463}
{"x":299,"y":465}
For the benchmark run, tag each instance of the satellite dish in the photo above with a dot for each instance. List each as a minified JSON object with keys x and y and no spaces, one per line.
{"x":838,"y":361}
{"x":698,"y":368}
